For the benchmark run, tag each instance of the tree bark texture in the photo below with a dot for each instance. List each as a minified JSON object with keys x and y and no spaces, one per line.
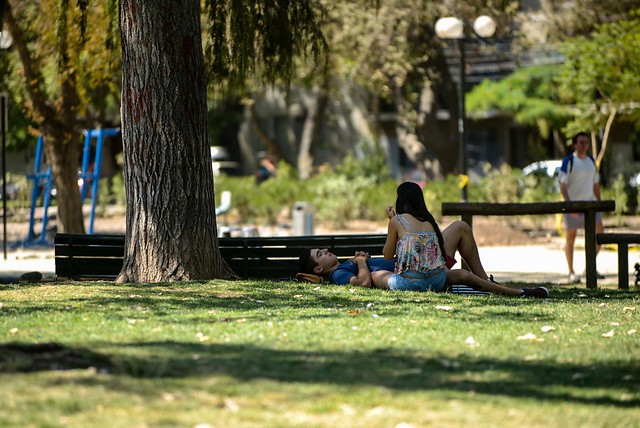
{"x":170,"y":224}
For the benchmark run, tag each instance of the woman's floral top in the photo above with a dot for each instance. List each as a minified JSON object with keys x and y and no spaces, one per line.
{"x":417,"y":251}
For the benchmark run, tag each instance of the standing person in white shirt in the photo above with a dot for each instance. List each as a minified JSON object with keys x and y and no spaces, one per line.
{"x":579,"y":181}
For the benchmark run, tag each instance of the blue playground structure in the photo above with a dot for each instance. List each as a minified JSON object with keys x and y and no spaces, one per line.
{"x":43,"y":181}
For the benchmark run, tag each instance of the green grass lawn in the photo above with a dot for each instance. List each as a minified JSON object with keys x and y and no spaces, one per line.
{"x":268,"y":354}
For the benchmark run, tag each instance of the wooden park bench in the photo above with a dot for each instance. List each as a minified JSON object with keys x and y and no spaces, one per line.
{"x":622,"y":240}
{"x":97,"y":256}
{"x":467,"y":210}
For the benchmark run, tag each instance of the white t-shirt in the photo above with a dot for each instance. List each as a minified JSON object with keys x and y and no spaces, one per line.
{"x":580,"y":179}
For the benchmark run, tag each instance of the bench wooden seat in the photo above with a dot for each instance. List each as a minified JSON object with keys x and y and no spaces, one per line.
{"x":622,"y":240}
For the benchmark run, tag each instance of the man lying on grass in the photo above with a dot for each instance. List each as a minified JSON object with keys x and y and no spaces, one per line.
{"x":363,"y":271}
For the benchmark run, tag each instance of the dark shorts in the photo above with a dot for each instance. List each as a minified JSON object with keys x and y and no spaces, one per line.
{"x":572,"y":221}
{"x":449,"y":261}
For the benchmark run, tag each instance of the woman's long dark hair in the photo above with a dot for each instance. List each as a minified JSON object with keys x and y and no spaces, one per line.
{"x":411,"y":201}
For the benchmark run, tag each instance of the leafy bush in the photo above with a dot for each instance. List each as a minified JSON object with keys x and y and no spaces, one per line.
{"x":501,"y":185}
{"x":437,"y":192}
{"x":625,"y":195}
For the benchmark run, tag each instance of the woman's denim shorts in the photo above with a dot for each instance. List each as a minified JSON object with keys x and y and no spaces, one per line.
{"x":435,"y":280}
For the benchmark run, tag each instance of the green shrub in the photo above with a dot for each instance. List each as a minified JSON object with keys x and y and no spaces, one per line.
{"x":438,"y":191}
{"x":625,"y":196}
{"x":501,"y":185}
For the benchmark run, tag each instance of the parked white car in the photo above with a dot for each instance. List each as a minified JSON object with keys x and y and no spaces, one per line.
{"x":550,"y":168}
{"x":545,"y":171}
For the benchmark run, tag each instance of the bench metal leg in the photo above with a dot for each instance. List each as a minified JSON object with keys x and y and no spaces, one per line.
{"x":623,"y":265}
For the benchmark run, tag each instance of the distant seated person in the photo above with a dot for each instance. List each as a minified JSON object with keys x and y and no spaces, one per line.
{"x":267,"y":167}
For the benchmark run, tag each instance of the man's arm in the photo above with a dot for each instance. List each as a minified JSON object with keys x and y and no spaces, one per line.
{"x":363,"y":279}
{"x":596,"y":191}
{"x":564,"y":191}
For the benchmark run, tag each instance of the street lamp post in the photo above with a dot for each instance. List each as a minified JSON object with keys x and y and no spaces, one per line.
{"x":5,"y":43}
{"x":453,"y":28}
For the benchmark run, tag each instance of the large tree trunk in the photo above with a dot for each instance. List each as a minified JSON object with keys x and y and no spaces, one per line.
{"x":62,"y":154}
{"x":171,"y":225}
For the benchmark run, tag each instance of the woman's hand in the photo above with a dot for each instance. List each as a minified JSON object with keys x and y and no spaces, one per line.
{"x":390,"y":212}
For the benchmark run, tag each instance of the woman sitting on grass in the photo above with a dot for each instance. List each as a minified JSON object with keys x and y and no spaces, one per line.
{"x":415,"y":240}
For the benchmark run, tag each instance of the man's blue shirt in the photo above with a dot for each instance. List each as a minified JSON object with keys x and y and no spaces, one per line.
{"x":345,"y":271}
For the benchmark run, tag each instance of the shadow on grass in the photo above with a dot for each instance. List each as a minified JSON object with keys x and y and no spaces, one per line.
{"x":398,"y":370}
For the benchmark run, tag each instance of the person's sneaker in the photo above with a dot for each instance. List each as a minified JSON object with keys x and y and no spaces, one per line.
{"x":539,"y":292}
{"x":493,"y":280}
{"x":573,"y":278}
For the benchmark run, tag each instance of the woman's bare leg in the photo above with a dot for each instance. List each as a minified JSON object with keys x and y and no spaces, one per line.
{"x":459,"y":236}
{"x":461,"y":276}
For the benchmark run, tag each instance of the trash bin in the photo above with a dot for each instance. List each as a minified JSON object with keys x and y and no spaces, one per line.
{"x":302,"y":218}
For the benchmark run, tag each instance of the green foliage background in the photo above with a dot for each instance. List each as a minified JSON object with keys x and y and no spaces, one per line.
{"x":362,"y":189}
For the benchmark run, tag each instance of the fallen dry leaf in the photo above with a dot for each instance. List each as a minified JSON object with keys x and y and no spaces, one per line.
{"x":471,"y":342}
{"x":528,"y":336}
{"x":608,"y":334}
{"x":167,"y":396}
{"x":547,"y":328}
{"x":231,"y":405}
{"x":353,"y":312}
{"x":632,"y":331}
{"x":13,"y":331}
{"x":443,"y":308}
{"x":376,"y":411}
{"x":625,"y":309}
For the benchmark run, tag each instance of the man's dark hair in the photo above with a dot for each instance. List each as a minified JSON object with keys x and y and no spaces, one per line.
{"x":306,"y":264}
{"x":574,"y":140}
